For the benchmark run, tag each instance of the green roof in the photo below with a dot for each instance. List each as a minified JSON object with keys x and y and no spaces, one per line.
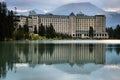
{"x":85,"y":17}
{"x":52,"y":16}
{"x":78,"y":16}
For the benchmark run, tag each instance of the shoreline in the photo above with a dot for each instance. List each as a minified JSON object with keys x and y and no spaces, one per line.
{"x":80,"y":41}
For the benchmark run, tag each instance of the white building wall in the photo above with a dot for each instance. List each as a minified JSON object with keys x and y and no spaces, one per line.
{"x":60,"y":24}
{"x":22,"y":21}
{"x":35,"y":22}
{"x":72,"y":25}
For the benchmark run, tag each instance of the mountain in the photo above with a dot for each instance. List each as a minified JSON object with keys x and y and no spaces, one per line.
{"x":112,"y":19}
{"x":38,"y":11}
{"x":86,"y":7}
{"x":23,"y":13}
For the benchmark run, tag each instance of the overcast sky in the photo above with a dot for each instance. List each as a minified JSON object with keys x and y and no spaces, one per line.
{"x":49,"y":5}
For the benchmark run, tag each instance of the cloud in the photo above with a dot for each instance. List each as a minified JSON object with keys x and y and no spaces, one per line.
{"x":52,"y":4}
{"x":46,"y":11}
{"x":112,"y":9}
{"x":33,"y":3}
{"x":22,"y":10}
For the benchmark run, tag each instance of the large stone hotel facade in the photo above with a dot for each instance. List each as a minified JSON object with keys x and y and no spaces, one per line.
{"x":75,"y":25}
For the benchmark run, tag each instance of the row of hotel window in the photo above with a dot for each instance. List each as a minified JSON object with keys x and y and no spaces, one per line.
{"x":63,"y":19}
{"x":59,"y":20}
{"x":88,"y":35}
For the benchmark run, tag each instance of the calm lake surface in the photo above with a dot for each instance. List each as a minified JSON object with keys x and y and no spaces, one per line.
{"x":60,"y":60}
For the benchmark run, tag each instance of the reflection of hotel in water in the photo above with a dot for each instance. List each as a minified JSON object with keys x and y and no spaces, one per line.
{"x":64,"y":53}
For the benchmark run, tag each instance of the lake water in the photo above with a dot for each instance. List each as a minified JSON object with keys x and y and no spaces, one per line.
{"x":60,"y":60}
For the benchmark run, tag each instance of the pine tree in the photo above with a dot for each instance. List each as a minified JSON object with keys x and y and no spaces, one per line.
{"x":6,"y":22}
{"x":41,"y":30}
{"x":91,"y":32}
{"x":10,"y":24}
{"x":26,"y":31}
{"x":47,"y":32}
{"x":35,"y":30}
{"x":117,"y":32}
{"x":110,"y":31}
{"x":3,"y":20}
{"x":50,"y":31}
{"x":19,"y":34}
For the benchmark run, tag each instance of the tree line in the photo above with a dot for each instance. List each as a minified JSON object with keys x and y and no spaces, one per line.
{"x":114,"y":33}
{"x":7,"y":25}
{"x":6,"y":22}
{"x":49,"y":32}
{"x":21,"y":33}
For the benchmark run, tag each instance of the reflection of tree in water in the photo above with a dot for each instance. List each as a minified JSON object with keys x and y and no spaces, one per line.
{"x":46,"y":48}
{"x":35,"y":49}
{"x":23,"y":48}
{"x":91,"y":47}
{"x":77,"y":46}
{"x":7,"y":58}
{"x":117,"y":49}
{"x":41,"y":48}
{"x":110,"y":47}
{"x":49,"y":48}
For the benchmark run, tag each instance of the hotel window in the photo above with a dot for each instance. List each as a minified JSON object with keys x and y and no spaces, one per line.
{"x":105,"y":34}
{"x":73,"y":34}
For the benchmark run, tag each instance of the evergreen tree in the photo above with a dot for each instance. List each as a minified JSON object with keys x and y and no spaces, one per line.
{"x":4,"y":8}
{"x":110,"y":31}
{"x":10,"y":24}
{"x":35,"y":30}
{"x":50,"y":32}
{"x":3,"y":20}
{"x":91,"y":32}
{"x":114,"y":33}
{"x":41,"y":30}
{"x":117,"y":32}
{"x":47,"y":32}
{"x":0,"y":11}
{"x":26,"y":31}
{"x":6,"y":22}
{"x":19,"y":34}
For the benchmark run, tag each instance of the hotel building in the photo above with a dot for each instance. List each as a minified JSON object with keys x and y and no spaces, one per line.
{"x":75,"y":25}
